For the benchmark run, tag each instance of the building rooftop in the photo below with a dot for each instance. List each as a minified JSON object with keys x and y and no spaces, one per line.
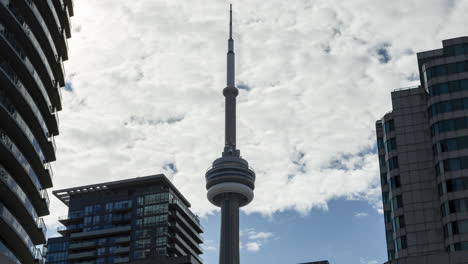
{"x":65,"y":194}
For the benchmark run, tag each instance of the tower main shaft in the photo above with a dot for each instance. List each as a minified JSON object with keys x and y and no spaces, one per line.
{"x":230,"y":182}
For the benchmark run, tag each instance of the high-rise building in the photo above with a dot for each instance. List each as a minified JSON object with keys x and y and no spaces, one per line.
{"x":423,"y":156}
{"x":33,"y":46}
{"x":139,"y":220}
{"x":230,"y":181}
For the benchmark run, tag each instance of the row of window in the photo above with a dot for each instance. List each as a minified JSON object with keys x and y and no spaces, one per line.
{"x":145,"y":253}
{"x":458,"y":246}
{"x":456,"y":50}
{"x":454,"y":206}
{"x":448,"y":87}
{"x":460,"y":163}
{"x":450,"y":144}
{"x":448,"y":106}
{"x":57,"y":256}
{"x":152,"y":232}
{"x":148,"y":242}
{"x":446,"y":69}
{"x":456,"y":228}
{"x":153,"y":198}
{"x":151,"y":220}
{"x":455,"y":185}
{"x":449,"y":125}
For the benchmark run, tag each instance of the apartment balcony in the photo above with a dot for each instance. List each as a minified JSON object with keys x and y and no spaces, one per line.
{"x":122,"y":209}
{"x":71,"y":218}
{"x":122,"y":260}
{"x":70,"y":229}
{"x":122,"y":250}
{"x":24,"y":174}
{"x":17,"y":238}
{"x":82,"y":245}
{"x":122,"y":240}
{"x":82,"y":255}
{"x":102,"y":232}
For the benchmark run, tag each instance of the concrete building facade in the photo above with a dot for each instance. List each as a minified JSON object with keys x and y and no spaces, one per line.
{"x":423,"y":158}
{"x":139,"y":220}
{"x":33,"y":46}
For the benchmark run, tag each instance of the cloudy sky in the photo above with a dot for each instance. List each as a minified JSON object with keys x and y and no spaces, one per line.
{"x":145,"y":97}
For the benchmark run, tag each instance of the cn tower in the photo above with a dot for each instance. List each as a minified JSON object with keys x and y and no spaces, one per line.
{"x":230,"y":182}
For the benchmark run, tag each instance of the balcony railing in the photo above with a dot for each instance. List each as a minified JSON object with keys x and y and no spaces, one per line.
{"x":45,"y":196}
{"x":26,"y":96}
{"x":8,"y":143}
{"x":22,"y":22}
{"x":13,"y":223}
{"x":14,"y":114}
{"x":27,"y":63}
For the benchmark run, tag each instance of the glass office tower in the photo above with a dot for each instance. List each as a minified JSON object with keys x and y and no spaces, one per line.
{"x":139,"y":220}
{"x":423,"y":154}
{"x":33,"y":46}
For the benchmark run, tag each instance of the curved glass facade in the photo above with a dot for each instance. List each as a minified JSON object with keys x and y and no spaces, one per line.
{"x":33,"y":47}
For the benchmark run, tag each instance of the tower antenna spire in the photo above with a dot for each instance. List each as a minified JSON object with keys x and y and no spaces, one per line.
{"x":230,"y":21}
{"x":230,"y":181}
{"x":230,"y":54}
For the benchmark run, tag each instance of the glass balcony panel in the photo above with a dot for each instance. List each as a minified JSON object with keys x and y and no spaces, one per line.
{"x":14,"y":114}
{"x":29,"y":66}
{"x":6,"y":68}
{"x":20,"y":158}
{"x":13,"y":223}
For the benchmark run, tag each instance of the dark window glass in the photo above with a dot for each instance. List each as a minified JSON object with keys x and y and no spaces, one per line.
{"x":395,"y":182}
{"x":391,"y":144}
{"x":380,"y":143}
{"x":393,"y":163}
{"x":389,"y":126}
{"x":383,"y":178}
{"x":396,"y":202}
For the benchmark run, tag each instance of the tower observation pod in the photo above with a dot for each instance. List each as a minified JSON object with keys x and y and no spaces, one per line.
{"x":230,"y":181}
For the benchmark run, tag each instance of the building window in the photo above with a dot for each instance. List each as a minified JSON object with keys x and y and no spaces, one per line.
{"x":454,"y":206}
{"x":388,"y":216}
{"x":380,"y":143}
{"x":455,"y":164}
{"x":448,"y":87}
{"x":389,"y":126}
{"x":448,"y":106}
{"x":451,"y":144}
{"x":446,"y":69}
{"x":449,"y":125}
{"x":391,"y":145}
{"x":383,"y":178}
{"x":393,"y":163}
{"x":455,"y":185}
{"x":397,"y":202}
{"x":400,"y":243}
{"x":460,"y":246}
{"x":395,"y":182}
{"x":385,"y":197}
{"x":399,"y":222}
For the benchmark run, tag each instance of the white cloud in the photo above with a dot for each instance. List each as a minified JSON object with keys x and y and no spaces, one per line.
{"x":147,"y":78}
{"x":253,"y":246}
{"x":361,"y":214}
{"x":254,"y":240}
{"x":366,"y":261}
{"x":259,"y":235}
